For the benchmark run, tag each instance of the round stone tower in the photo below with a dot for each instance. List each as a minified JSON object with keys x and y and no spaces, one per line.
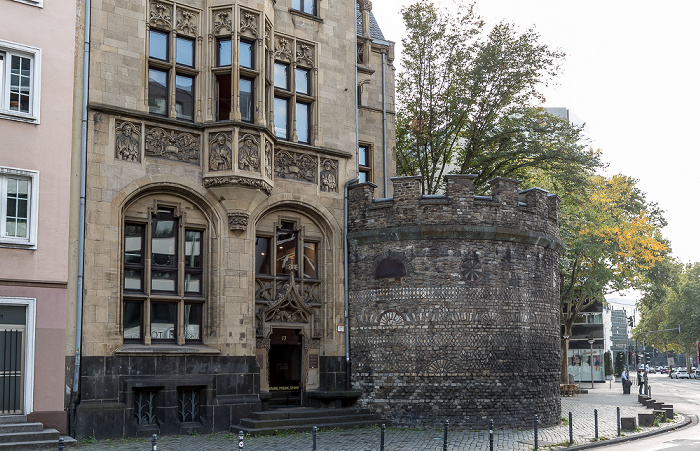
{"x":454,"y":303}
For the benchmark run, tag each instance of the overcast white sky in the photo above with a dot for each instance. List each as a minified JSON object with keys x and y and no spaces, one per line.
{"x":631,"y":74}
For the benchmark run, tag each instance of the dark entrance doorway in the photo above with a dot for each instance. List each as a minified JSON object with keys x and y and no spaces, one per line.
{"x":284,"y":361}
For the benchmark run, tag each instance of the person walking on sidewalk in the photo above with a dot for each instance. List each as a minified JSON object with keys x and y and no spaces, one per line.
{"x":625,"y":382}
{"x":640,"y":380}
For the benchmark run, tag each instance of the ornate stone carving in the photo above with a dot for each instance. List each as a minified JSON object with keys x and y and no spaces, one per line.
{"x":171,"y":145}
{"x":220,"y":155}
{"x":268,"y":34}
{"x":329,"y":176}
{"x":268,"y":159}
{"x":305,"y":55}
{"x":472,"y":269}
{"x":283,"y":50}
{"x":186,"y":22}
{"x":288,"y":306}
{"x":248,"y":153}
{"x":295,"y":166}
{"x":365,"y":5}
{"x":237,"y":180}
{"x":160,"y":14}
{"x":221,"y":20}
{"x":249,"y":22}
{"x":391,"y":318}
{"x":263,"y":343}
{"x":238,"y":221}
{"x":128,"y":143}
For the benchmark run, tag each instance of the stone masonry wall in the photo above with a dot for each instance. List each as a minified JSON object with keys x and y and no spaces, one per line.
{"x":454,"y":307}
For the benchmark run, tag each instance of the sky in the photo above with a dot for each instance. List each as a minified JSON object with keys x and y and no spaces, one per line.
{"x":630,"y":74}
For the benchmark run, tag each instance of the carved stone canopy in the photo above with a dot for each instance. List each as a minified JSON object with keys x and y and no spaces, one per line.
{"x":289,"y":305}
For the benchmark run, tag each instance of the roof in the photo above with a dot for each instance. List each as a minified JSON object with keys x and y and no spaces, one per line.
{"x":374,"y":31}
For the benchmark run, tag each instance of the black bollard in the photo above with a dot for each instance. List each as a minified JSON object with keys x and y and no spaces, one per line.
{"x":154,"y":443}
{"x":444,"y":438}
{"x":60,"y":444}
{"x":618,"y":421}
{"x":571,"y":429}
{"x":381,"y":443}
{"x":490,"y":435}
{"x":315,"y":429}
{"x":595,"y":416}
{"x":240,"y":439}
{"x":536,"y":446}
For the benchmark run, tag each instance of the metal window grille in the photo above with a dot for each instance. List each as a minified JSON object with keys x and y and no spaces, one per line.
{"x":11,"y":369}
{"x":145,"y":406}
{"x":188,"y":405}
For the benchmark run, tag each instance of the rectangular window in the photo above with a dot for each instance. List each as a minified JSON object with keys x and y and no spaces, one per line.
{"x":133,"y":321}
{"x":18,"y":205}
{"x":282,"y":76}
{"x":163,"y":252}
{"x":305,"y":6}
{"x":133,"y":257}
{"x":363,"y":163}
{"x":223,"y":96}
{"x":310,"y":268}
{"x":262,"y":256}
{"x":223,"y":52}
{"x":193,"y":261}
{"x":158,"y":92}
{"x":246,"y":99}
{"x":281,"y":117}
{"x":158,"y":45}
{"x":184,"y":97}
{"x":303,"y":81}
{"x":163,"y":322}
{"x":193,"y":322}
{"x":245,"y":54}
{"x":19,"y":82}
{"x":184,"y":52}
{"x":302,"y":122}
{"x":286,"y":251}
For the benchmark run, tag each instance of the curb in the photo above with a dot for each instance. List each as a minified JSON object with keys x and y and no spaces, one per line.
{"x":689,"y":420}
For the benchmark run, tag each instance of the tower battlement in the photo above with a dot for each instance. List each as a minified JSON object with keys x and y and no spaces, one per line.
{"x":533,"y":210}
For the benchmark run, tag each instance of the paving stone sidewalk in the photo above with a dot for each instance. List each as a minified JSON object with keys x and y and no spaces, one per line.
{"x":604,"y":398}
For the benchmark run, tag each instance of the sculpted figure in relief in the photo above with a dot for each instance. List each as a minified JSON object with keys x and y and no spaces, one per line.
{"x":248,"y":155}
{"x":127,"y":144}
{"x":329,"y":180}
{"x":219,"y":154}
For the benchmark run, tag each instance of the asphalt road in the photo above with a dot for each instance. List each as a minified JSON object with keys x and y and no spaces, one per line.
{"x":685,"y":396}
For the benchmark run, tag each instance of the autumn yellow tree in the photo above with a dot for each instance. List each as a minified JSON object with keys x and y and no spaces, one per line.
{"x":613,"y":236}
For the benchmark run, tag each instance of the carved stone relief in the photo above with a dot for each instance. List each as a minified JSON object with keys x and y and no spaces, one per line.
{"x":222,"y":21}
{"x":295,"y":166}
{"x":237,"y":180}
{"x":160,"y":14}
{"x":248,"y":153}
{"x":268,"y":34}
{"x":128,"y":141}
{"x":238,"y":221}
{"x":249,"y":22}
{"x":220,"y":155}
{"x":283,"y":49}
{"x":180,"y":146}
{"x":365,"y":5}
{"x":268,"y":159}
{"x":305,"y":54}
{"x":186,"y":22}
{"x":329,"y":176}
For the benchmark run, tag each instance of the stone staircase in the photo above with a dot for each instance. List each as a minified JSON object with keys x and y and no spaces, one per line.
{"x":303,"y":419}
{"x":17,"y":434}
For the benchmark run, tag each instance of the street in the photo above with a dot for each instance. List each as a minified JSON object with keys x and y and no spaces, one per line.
{"x":684,"y":394}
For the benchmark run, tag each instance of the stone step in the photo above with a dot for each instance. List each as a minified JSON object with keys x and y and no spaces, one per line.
{"x":36,"y":444}
{"x":308,"y":421}
{"x":303,"y":428}
{"x":8,"y":428}
{"x":305,"y":412}
{"x":5,"y":419}
{"x":43,"y":435}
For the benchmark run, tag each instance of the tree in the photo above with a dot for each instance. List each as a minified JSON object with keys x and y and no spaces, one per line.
{"x":607,"y":358}
{"x":613,"y":238}
{"x":467,"y":100}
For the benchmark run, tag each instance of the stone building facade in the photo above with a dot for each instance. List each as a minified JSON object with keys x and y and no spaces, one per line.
{"x":221,"y":135}
{"x":454,"y":307}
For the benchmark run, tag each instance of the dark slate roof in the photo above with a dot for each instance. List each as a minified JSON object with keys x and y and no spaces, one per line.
{"x":374,"y":31}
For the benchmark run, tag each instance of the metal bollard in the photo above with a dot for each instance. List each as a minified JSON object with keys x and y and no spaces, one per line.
{"x":315,"y":429}
{"x":444,"y":438}
{"x":490,"y":435}
{"x":536,"y":446}
{"x":650,"y":391}
{"x":618,"y":421}
{"x":154,"y":443}
{"x":381,"y":443}
{"x":595,"y":416}
{"x":571,"y":429}
{"x":60,"y":444}
{"x":240,"y":439}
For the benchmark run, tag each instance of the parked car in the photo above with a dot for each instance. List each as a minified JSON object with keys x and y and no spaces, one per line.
{"x":695,"y":374}
{"x":680,"y":374}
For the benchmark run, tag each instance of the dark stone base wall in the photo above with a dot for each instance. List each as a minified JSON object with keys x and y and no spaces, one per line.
{"x":227,"y":390}
{"x":332,"y":372}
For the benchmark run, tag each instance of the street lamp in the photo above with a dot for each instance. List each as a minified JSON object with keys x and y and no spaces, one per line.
{"x":590,"y":342}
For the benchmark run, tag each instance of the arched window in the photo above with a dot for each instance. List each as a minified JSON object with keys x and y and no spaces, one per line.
{"x":390,"y":267}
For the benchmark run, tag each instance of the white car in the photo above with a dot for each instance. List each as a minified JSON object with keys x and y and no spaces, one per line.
{"x":695,"y":374}
{"x":680,"y":374}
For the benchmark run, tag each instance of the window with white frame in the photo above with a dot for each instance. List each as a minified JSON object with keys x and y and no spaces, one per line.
{"x":18,"y":206}
{"x":19,"y":81}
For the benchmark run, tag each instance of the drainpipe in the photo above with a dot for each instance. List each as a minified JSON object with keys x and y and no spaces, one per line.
{"x":347,"y":284}
{"x":384,"y":120}
{"x":75,"y":394}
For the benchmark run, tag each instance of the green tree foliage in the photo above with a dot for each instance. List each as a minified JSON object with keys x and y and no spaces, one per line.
{"x":607,"y":358}
{"x":468,"y":99}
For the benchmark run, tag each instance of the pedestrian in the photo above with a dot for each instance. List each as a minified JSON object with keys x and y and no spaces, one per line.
{"x":625,"y":381}
{"x":640,"y":380}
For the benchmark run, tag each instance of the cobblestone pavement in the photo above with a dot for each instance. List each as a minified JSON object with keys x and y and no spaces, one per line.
{"x":605,"y":399}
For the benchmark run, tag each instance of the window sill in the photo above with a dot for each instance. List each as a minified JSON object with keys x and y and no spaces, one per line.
{"x":18,"y":245}
{"x":4,"y":114}
{"x":164,"y":349}
{"x":296,"y":12}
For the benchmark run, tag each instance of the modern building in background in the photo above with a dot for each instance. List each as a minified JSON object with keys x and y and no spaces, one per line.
{"x":37,"y":53}
{"x":587,"y":345}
